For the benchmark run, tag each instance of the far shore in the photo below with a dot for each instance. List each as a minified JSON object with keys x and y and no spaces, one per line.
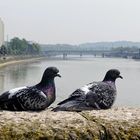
{"x":9,"y":60}
{"x":5,"y":61}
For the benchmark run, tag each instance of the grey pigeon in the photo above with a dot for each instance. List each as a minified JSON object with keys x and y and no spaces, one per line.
{"x":95,"y":95}
{"x":33,"y":98}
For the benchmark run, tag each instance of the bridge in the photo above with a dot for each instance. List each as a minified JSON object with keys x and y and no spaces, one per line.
{"x":102,"y":53}
{"x":65,"y":53}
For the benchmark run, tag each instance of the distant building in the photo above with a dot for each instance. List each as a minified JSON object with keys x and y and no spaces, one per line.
{"x":1,"y":32}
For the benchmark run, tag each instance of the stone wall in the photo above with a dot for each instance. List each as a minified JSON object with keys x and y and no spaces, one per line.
{"x":112,"y":124}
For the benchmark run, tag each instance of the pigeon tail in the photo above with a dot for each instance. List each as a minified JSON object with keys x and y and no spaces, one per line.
{"x":76,"y":106}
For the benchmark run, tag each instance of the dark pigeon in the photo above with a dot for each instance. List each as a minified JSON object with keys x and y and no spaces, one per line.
{"x":95,"y":95}
{"x":33,"y":98}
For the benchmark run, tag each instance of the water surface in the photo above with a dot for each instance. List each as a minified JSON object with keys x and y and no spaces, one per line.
{"x":75,"y":73}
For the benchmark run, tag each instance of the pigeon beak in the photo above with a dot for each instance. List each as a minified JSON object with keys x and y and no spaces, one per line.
{"x":58,"y":75}
{"x":120,"y":77}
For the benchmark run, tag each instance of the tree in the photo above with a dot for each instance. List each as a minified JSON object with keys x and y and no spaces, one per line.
{"x":35,"y":48}
{"x":19,"y":47}
{"x":3,"y":50}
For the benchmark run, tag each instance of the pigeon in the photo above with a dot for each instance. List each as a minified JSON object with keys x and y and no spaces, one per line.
{"x":95,"y":95}
{"x":31,"y":98}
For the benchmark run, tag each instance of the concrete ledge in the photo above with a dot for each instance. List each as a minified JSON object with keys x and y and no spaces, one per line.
{"x":112,"y":124}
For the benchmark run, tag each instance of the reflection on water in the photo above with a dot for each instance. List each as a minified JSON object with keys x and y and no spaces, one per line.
{"x":16,"y":75}
{"x":75,"y":73}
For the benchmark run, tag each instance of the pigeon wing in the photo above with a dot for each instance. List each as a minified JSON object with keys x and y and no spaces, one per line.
{"x":8,"y":99}
{"x":101,"y":95}
{"x":32,"y":99}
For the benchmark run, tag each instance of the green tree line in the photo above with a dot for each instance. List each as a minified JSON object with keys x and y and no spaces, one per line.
{"x":18,"y":46}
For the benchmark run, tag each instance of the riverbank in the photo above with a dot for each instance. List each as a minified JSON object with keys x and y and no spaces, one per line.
{"x":19,"y":59}
{"x":112,"y":124}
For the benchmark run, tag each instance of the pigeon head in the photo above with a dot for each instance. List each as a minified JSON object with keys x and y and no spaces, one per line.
{"x":112,"y":75}
{"x":49,"y":74}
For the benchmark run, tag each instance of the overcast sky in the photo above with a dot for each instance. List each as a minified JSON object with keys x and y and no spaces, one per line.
{"x":71,"y":21}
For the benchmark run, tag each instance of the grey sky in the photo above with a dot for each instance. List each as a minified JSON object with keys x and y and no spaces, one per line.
{"x":71,"y":21}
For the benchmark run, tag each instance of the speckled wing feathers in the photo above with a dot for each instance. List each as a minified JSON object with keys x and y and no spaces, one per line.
{"x":32,"y":99}
{"x":101,"y":94}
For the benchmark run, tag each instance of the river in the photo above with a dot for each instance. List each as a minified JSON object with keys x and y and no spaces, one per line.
{"x":77,"y":72}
